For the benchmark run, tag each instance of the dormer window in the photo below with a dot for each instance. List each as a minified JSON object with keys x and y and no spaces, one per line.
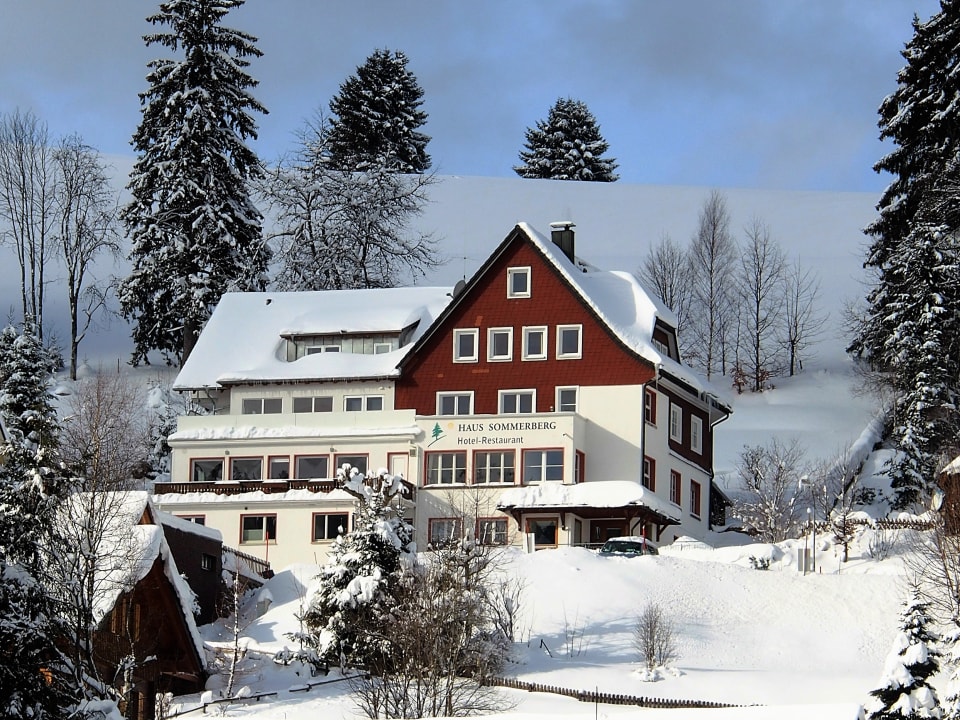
{"x":518,"y":282}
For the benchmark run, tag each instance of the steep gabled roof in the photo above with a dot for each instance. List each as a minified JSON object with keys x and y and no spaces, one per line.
{"x":617,"y":299}
{"x":243,"y":341}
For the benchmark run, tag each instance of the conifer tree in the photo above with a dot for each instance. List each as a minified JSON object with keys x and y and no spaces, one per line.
{"x":195,"y":231}
{"x":34,"y":675}
{"x":377,"y":113}
{"x":566,"y":146}
{"x":904,"y":692}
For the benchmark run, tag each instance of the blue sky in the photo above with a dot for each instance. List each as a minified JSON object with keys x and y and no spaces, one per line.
{"x":741,"y":93}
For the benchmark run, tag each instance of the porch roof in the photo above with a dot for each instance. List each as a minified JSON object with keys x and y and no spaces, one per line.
{"x":588,"y":499}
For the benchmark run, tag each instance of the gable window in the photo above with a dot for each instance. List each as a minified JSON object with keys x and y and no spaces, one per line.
{"x":650,"y":406}
{"x":357,"y":462}
{"x":313,"y":467}
{"x":676,"y":487}
{"x":676,"y":422}
{"x":514,"y":402}
{"x":492,"y":531}
{"x":569,"y":342}
{"x":695,"y":498}
{"x":327,"y":526}
{"x":278,"y":468}
{"x":443,"y":531}
{"x":465,"y":345}
{"x":258,"y":528}
{"x":535,"y":343}
{"x":518,"y":282}
{"x":207,"y":470}
{"x":261,"y":406}
{"x":446,"y":468}
{"x":320,"y":403}
{"x":696,"y":434}
{"x":493,"y":467}
{"x":539,"y":465}
{"x":650,"y":473}
{"x":454,"y":403}
{"x":499,"y":344}
{"x":566,"y":399}
{"x":246,"y":468}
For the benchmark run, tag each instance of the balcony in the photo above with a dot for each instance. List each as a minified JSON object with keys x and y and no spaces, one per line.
{"x":237,"y":487}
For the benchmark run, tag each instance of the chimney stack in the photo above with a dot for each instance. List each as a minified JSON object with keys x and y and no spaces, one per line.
{"x":562,"y":236}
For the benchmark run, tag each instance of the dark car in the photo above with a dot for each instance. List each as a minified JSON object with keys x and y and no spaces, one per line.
{"x":628,"y":547}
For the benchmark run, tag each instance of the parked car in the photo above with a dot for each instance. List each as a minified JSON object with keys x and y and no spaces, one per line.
{"x":629,"y":547}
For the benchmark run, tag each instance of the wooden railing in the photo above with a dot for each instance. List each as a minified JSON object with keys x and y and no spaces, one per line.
{"x":257,"y":565}
{"x":236,"y":487}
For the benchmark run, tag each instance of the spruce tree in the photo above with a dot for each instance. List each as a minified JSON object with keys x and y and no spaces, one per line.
{"x":34,"y":675}
{"x":567,"y":146}
{"x":377,"y":113}
{"x":920,"y":118}
{"x":904,"y":692}
{"x":194,"y":228}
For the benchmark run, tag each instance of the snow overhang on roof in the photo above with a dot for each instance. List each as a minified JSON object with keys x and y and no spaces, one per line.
{"x":608,"y":494}
{"x":243,"y":341}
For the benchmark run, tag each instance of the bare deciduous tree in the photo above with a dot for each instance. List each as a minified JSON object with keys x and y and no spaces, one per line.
{"x":86,"y":209}
{"x":770,"y":499}
{"x":761,"y":277}
{"x":712,"y":260}
{"x":666,"y":271}
{"x":655,"y":637}
{"x":28,"y":184}
{"x":802,"y":321}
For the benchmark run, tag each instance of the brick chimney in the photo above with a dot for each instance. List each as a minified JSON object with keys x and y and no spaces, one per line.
{"x":561,"y":233}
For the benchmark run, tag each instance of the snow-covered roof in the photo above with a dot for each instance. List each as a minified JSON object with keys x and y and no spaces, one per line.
{"x":128,"y":550}
{"x":243,"y":339}
{"x":247,"y":432}
{"x":605,"y":494}
{"x":625,"y":307}
{"x":188,"y":526}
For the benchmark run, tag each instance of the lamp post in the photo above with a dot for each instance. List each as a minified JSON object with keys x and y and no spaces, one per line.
{"x":814,"y":543}
{"x":805,"y":544}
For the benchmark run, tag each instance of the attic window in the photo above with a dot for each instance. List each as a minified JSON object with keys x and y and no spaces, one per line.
{"x":518,"y":282}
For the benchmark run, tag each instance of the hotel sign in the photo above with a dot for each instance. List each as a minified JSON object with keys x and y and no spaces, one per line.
{"x":446,"y":434}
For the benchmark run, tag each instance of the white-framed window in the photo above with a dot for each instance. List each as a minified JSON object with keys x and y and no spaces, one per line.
{"x":466,"y":345}
{"x":539,"y":465}
{"x":534,"y":343}
{"x":696,"y":434}
{"x":381,"y":348}
{"x":261,"y":406}
{"x":493,"y":466}
{"x":313,"y":467}
{"x":278,"y":468}
{"x":492,"y":531}
{"x":246,"y":468}
{"x":455,"y":403}
{"x":198,"y":519}
{"x":258,"y":528}
{"x":676,"y":487}
{"x":569,"y":342}
{"x":499,"y":344}
{"x":327,"y":526}
{"x":567,"y":399}
{"x":516,"y":402}
{"x":518,"y":282}
{"x":317,"y":349}
{"x":373,"y":403}
{"x":353,"y":403}
{"x":319,"y":403}
{"x":443,"y":530}
{"x":446,"y":468}
{"x":650,"y":406}
{"x":676,"y":422}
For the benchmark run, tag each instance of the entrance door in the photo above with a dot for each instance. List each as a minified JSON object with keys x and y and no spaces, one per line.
{"x":603,"y":530}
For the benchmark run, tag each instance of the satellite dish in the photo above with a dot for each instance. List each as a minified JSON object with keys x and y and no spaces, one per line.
{"x":458,"y":288}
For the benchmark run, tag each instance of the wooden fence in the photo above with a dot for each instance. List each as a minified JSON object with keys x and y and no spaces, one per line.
{"x":592,"y":696}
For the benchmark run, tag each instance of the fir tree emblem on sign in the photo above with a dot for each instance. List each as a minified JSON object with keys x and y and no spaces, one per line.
{"x":437,"y":433}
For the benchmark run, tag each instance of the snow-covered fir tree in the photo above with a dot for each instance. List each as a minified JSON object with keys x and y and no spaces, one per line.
{"x":376,"y":118}
{"x":904,"y":691}
{"x":361,"y":581}
{"x":195,"y":231}
{"x":34,"y":676}
{"x":566,"y":146}
{"x":950,"y":705}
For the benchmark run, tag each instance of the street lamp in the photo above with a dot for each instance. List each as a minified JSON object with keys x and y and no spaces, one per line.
{"x":805,"y":544}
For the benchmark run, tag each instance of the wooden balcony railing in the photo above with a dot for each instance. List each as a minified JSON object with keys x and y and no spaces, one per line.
{"x":236,"y":487}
